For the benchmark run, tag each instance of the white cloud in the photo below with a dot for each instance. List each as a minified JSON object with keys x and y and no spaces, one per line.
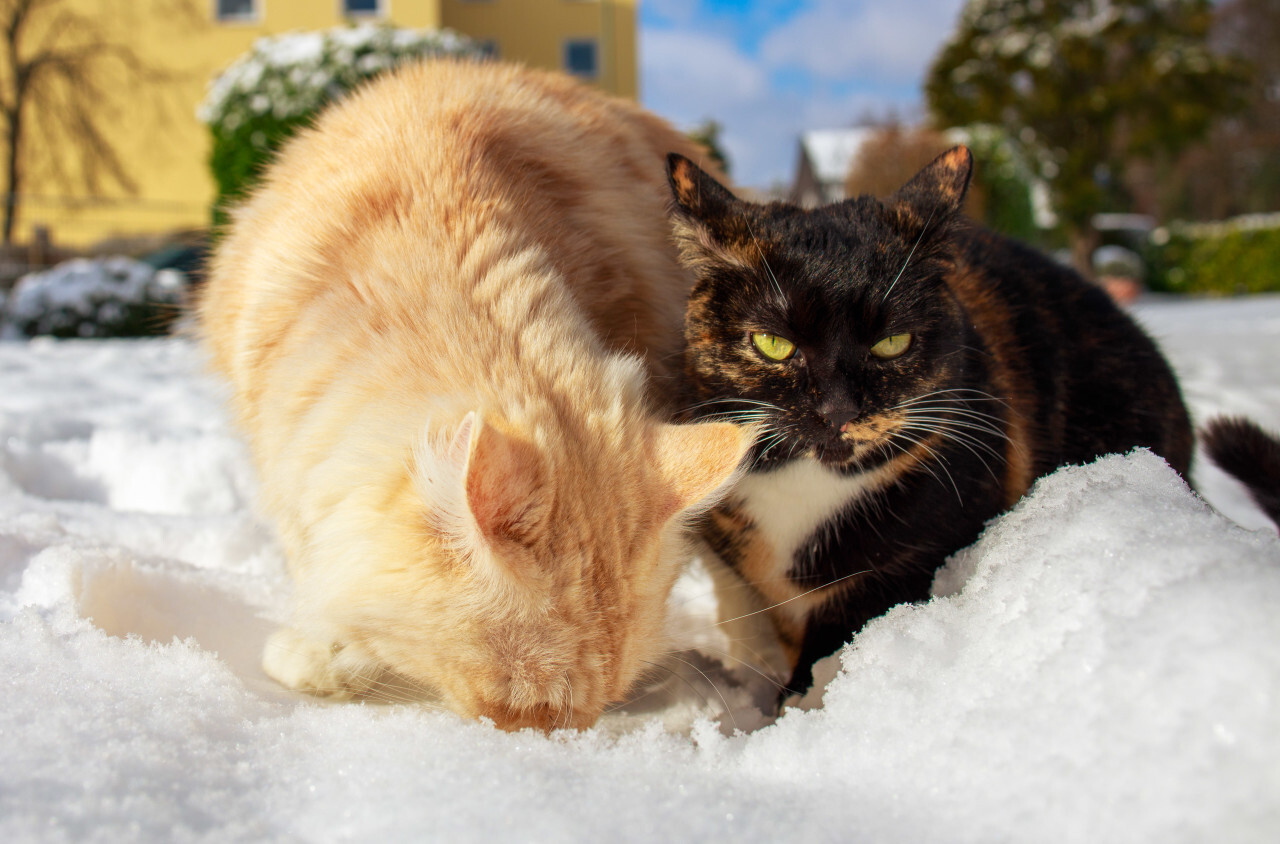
{"x":840,"y":61}
{"x":670,"y":11}
{"x":689,"y":72}
{"x":689,"y":77}
{"x":839,"y":40}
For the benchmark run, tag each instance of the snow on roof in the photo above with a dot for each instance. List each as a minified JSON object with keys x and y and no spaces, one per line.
{"x":831,"y":151}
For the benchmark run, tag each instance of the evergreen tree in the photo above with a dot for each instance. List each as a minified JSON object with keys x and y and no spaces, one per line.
{"x":707,"y":133}
{"x":1086,"y":87}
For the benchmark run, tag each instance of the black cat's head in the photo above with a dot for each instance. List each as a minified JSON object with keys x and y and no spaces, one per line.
{"x":827,"y":325}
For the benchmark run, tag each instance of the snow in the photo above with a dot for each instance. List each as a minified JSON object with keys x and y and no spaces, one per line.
{"x":1103,"y":665}
{"x":1221,"y":228}
{"x":296,"y":72}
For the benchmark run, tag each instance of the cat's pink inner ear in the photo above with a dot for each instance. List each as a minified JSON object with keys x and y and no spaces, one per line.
{"x":504,"y":484}
{"x":698,"y":462}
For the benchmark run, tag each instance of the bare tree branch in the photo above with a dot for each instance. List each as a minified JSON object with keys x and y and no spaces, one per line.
{"x":60,"y":74}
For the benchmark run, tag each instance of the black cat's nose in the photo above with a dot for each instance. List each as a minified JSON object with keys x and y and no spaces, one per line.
{"x":840,"y":412}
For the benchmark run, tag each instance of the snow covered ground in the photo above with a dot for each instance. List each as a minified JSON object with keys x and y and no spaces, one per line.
{"x":1103,"y":665}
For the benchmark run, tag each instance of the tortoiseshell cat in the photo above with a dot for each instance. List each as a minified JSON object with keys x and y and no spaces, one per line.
{"x":913,"y":375}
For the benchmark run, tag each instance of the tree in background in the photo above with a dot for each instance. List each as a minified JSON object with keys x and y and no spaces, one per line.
{"x":1237,"y":169}
{"x":59,"y":72}
{"x":1000,"y":197}
{"x":891,"y":156}
{"x":1084,"y":88}
{"x":707,"y":134}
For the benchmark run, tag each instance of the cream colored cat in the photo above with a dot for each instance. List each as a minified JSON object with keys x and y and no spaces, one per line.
{"x":439,"y":315}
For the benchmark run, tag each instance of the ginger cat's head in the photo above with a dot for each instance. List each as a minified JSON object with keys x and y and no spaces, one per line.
{"x":535,"y":574}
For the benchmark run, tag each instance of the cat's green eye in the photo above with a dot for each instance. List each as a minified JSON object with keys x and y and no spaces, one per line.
{"x":891,"y":346}
{"x":772,"y":346}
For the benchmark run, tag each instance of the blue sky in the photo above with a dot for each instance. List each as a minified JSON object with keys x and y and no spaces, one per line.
{"x":768,"y":70}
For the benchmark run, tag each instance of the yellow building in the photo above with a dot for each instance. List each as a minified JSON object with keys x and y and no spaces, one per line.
{"x":163,"y":149}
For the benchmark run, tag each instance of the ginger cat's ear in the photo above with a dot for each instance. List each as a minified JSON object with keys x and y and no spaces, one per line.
{"x":699,"y":462}
{"x":939,"y":189}
{"x":482,"y":486}
{"x":505,"y":484}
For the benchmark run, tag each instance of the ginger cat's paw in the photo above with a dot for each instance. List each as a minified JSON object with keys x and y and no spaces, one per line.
{"x":305,"y":664}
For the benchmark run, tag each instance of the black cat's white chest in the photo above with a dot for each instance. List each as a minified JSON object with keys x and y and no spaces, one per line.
{"x":792,"y":506}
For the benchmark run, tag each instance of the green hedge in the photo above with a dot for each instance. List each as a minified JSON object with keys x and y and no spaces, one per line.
{"x":1223,"y":259}
{"x":1005,"y":181}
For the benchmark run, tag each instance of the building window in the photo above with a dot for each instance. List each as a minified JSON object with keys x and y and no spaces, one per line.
{"x":581,"y":57}
{"x":236,"y":10}
{"x":362,"y":8}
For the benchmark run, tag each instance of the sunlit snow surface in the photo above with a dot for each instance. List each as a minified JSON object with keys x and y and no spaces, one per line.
{"x":1103,"y":665}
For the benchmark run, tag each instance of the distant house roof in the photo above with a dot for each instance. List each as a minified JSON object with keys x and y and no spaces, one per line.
{"x":825,"y":158}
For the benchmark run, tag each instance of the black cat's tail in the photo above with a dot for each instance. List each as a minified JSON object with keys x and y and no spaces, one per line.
{"x":1249,"y":453}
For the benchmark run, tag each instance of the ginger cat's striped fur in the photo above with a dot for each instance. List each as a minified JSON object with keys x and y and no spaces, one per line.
{"x":439,"y":315}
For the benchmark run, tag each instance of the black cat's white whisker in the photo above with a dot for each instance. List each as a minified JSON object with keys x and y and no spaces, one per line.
{"x":909,"y":256}
{"x":990,"y":422}
{"x":720,"y":652}
{"x":770,"y":439}
{"x":648,"y":677}
{"x":728,"y":710}
{"x":965,"y":442}
{"x":968,"y":404}
{"x":958,"y":428}
{"x":961,"y":394}
{"x":792,"y":598}
{"x":739,"y":417}
{"x":967,"y":422}
{"x":937,"y":459}
{"x":712,"y":402}
{"x":966,"y":425}
{"x":763,"y":260}
{"x":955,"y":434}
{"x":953,"y":428}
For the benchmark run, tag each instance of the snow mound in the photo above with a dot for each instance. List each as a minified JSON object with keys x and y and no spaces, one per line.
{"x":1103,"y":664}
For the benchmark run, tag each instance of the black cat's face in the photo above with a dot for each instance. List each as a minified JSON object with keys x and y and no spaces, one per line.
{"x":829,"y":328}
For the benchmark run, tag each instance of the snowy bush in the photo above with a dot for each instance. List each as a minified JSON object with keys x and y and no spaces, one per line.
{"x":101,"y":297}
{"x":1235,"y":256}
{"x":280,"y":84}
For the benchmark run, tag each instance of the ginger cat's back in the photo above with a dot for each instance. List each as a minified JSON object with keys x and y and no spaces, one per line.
{"x":439,"y":316}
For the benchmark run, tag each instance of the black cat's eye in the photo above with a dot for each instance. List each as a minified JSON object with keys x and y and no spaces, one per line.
{"x":772,"y":346}
{"x":895,"y":345}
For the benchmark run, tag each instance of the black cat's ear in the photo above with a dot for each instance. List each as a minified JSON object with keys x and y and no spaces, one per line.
{"x":705,"y":216}
{"x":696,"y":194}
{"x":939,"y":189}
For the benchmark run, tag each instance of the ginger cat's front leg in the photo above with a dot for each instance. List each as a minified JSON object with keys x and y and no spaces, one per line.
{"x":743,"y":616}
{"x":314,"y":665}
